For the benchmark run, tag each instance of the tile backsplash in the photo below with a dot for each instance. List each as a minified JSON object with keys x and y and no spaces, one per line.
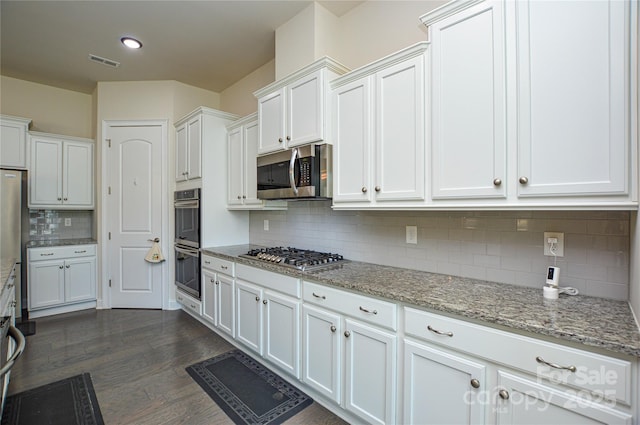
{"x":499,"y":246}
{"x":50,"y":224}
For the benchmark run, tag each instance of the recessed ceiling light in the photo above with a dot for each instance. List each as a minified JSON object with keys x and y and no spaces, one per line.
{"x":131,"y":43}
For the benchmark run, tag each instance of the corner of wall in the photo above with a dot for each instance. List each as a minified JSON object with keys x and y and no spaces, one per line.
{"x":634,"y":267}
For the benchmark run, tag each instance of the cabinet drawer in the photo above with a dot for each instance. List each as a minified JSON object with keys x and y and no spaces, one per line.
{"x":381,"y":313}
{"x":190,"y":303}
{"x":286,"y":284}
{"x":593,"y":372}
{"x":218,"y":264}
{"x":57,"y":252}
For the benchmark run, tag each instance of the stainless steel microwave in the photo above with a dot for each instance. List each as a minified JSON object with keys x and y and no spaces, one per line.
{"x":303,"y":172}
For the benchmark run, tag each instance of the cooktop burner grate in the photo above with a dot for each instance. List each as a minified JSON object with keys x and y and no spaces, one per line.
{"x":302,"y":259}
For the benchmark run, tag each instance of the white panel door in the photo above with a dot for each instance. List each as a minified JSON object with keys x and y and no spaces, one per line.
{"x":440,"y":388}
{"x":77,"y":181}
{"x":370,"y":372}
{"x":282,"y":332}
{"x":250,"y":139}
{"x":322,"y":346}
{"x":249,"y":315}
{"x":352,"y":134}
{"x":225,"y":305}
{"x":468,"y":108}
{"x":181,"y":153}
{"x":45,"y":178}
{"x":209,"y":295}
{"x":194,"y":155}
{"x":271,"y":121}
{"x":46,"y":284}
{"x":305,"y":111}
{"x":13,"y":145}
{"x":399,"y":132}
{"x":135,"y":214}
{"x":80,"y":279}
{"x":235,"y":177}
{"x":572,"y":99}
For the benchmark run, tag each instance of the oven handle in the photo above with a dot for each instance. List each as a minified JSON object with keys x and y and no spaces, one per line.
{"x":292,"y":174}
{"x":187,"y":204}
{"x":187,"y":251}
{"x":14,"y":333}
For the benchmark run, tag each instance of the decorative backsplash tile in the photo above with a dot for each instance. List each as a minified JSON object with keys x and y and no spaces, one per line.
{"x":52,"y":224}
{"x":499,"y":246}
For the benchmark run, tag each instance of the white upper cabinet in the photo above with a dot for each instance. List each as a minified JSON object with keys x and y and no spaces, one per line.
{"x":468,"y":121}
{"x":189,"y":149}
{"x":531,"y":104}
{"x":292,"y":111}
{"x":13,"y":141}
{"x":242,"y":138}
{"x":61,"y":172}
{"x":379,"y":132}
{"x":572,"y":96}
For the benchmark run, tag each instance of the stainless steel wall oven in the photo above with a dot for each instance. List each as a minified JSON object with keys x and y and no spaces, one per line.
{"x":187,"y":241}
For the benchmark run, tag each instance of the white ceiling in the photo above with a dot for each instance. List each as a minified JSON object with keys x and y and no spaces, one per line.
{"x":209,"y":44}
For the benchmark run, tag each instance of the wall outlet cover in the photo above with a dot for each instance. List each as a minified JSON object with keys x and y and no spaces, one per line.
{"x":559,"y":250}
{"x":412,"y":234}
{"x":67,"y":222}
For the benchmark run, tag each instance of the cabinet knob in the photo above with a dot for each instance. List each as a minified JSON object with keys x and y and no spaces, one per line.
{"x":244,"y":197}
{"x":347,"y":334}
{"x":66,"y":199}
{"x":212,"y":280}
{"x":68,"y":266}
{"x":257,"y":298}
{"x":217,"y":282}
{"x":523,"y":180}
{"x":333,"y":328}
{"x":264,"y":302}
{"x":61,"y":267}
{"x":504,"y":394}
{"x":59,"y":199}
{"x":497,"y":182}
{"x":239,"y":197}
{"x":288,"y":137}
{"x":280,"y":140}
{"x":377,"y":188}
{"x":475,"y":383}
{"x":364,"y":189}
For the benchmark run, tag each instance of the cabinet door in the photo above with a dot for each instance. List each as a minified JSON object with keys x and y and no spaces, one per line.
{"x":370,"y":372}
{"x":249,"y":315}
{"x":13,"y":145}
{"x":78,"y":174}
{"x":271,"y":122}
{"x":209,"y":295}
{"x":236,"y":170}
{"x":250,"y":167}
{"x":282,"y":332}
{"x":400,"y":133}
{"x":305,"y":110}
{"x":522,"y":401}
{"x":572,"y":98}
{"x":46,"y":284}
{"x":45,"y":178}
{"x":440,"y":388}
{"x":352,"y":142}
{"x":181,"y":153}
{"x":80,"y":279}
{"x":194,"y":148}
{"x":225,"y":305}
{"x":468,"y":125}
{"x":322,"y":345}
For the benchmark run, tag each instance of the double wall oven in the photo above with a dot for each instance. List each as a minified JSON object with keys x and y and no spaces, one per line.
{"x":187,"y":241}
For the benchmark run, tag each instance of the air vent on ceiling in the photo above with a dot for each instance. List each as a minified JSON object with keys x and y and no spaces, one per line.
{"x":104,"y":61}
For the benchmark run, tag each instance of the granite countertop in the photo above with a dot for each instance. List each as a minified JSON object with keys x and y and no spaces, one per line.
{"x":591,"y":321}
{"x":60,"y":242}
{"x":6,"y":266}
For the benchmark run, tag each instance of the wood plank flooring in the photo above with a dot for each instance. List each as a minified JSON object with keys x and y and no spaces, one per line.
{"x":137,"y":361}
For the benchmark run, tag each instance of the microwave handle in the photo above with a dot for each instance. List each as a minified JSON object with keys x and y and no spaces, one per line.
{"x":292,"y":175}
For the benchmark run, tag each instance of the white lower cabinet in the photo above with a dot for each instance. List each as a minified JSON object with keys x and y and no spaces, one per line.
{"x":218,"y":287}
{"x":268,"y":316}
{"x":341,"y":352}
{"x":61,"y":279}
{"x":441,"y":388}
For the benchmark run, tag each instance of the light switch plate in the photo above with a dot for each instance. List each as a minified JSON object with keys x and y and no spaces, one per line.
{"x":67,"y":222}
{"x":412,"y":234}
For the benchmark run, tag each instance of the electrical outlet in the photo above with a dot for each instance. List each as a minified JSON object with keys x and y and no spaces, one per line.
{"x":412,"y":234}
{"x":266,"y":225}
{"x":557,"y":238}
{"x":67,"y":222}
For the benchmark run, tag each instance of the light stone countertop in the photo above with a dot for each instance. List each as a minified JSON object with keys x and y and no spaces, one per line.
{"x":591,"y":321}
{"x":60,"y":242}
{"x":6,"y":266}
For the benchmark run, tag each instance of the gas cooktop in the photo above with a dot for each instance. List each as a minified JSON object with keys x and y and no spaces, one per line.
{"x":301,"y":259}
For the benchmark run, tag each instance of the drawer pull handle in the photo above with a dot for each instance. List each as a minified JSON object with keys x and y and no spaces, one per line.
{"x":224,"y":267}
{"x":368,"y":311}
{"x":47,"y":255}
{"x":504,"y":394}
{"x":318,"y":296}
{"x":80,"y":252}
{"x":475,"y":383}
{"x":193,"y":306}
{"x":207,"y":262}
{"x":437,"y":332}
{"x":571,"y":368}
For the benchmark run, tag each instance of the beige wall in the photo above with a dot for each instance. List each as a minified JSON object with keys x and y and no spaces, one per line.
{"x":239,"y":99}
{"x":187,"y":98}
{"x":51,"y":109}
{"x":295,"y":43}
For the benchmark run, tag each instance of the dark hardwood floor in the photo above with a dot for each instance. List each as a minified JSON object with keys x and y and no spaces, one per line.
{"x":137,"y":361}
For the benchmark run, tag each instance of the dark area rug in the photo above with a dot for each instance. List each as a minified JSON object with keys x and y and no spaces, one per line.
{"x":246,"y":391}
{"x":71,"y":401}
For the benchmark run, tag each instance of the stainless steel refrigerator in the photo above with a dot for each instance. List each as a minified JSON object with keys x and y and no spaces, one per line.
{"x":11,"y":212}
